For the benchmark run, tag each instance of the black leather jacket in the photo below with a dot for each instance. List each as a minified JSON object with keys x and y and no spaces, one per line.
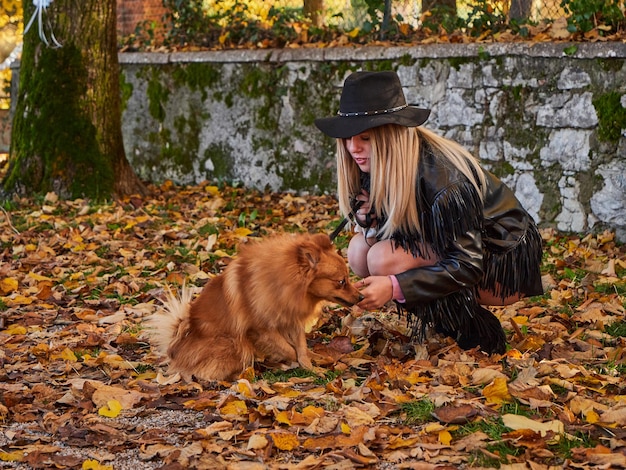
{"x":492,"y":244}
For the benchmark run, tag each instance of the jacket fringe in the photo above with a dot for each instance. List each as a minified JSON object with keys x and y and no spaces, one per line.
{"x":456,"y":210}
{"x":448,"y":220}
{"x":515,"y":270}
{"x":451,"y":315}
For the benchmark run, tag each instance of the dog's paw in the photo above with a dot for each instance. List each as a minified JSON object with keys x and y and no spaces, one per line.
{"x":286,"y":366}
{"x":319,"y":371}
{"x":306,"y":363}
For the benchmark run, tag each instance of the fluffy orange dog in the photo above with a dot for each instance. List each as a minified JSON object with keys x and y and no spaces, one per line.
{"x":256,"y":309}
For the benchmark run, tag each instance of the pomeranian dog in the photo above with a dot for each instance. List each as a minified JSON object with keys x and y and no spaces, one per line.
{"x":257,"y":309}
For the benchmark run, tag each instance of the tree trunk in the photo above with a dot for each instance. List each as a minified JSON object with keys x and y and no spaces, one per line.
{"x":447,"y":6}
{"x":520,"y":9}
{"x":67,"y":130}
{"x":314,"y":9}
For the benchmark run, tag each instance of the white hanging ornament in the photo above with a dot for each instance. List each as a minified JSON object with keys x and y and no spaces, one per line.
{"x":40,"y":7}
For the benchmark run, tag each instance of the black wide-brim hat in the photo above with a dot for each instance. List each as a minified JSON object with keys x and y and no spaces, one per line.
{"x":371,"y":99}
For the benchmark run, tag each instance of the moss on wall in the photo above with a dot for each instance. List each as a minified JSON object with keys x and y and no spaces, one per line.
{"x":265,"y":84}
{"x":611,"y":116}
{"x":502,"y":168}
{"x":517,"y":122}
{"x":126,"y":91}
{"x":611,"y":65}
{"x":158,"y":95}
{"x":547,"y":180}
{"x":199,"y":77}
{"x":223,"y":161}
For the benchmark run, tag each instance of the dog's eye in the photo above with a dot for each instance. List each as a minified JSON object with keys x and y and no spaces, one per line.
{"x":342,"y":283}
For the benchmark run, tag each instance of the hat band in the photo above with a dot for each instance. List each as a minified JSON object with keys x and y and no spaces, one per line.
{"x":371,"y":113}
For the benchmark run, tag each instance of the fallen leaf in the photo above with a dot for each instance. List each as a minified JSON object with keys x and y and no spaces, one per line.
{"x":522,"y":422}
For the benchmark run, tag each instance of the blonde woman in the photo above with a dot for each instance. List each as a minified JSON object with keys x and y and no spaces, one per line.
{"x":435,"y":232}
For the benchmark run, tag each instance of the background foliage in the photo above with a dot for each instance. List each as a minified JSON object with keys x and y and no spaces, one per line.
{"x":254,"y":23}
{"x":221,"y":24}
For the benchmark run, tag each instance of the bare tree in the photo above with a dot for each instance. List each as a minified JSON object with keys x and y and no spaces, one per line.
{"x":520,"y":9}
{"x":67,"y":131}
{"x":438,"y":7}
{"x":314,"y":10}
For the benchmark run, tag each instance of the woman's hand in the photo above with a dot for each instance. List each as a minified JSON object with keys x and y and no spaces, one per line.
{"x":376,"y":291}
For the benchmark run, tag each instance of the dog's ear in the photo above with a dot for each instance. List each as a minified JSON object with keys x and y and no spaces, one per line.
{"x":309,"y":255}
{"x":322,"y":240}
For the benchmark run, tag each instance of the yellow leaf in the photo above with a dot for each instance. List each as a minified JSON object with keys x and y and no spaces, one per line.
{"x":15,"y":456}
{"x":8,"y":285}
{"x":354,"y":33}
{"x":77,"y":247}
{"x":221,"y":254}
{"x":312,"y":412}
{"x":520,"y":319}
{"x":514,"y":354}
{"x":20,"y":300}
{"x":285,"y":440}
{"x":148,"y":375}
{"x":126,"y":253}
{"x":40,"y":349}
{"x":433,"y":427}
{"x":400,"y":442}
{"x":244,"y":387}
{"x":15,"y":330}
{"x":68,"y":355}
{"x":283,"y":417}
{"x":38,"y":277}
{"x":111,"y":409}
{"x":235,"y":407}
{"x":592,"y":417}
{"x":345,"y":428}
{"x":414,"y":378}
{"x":445,"y":437}
{"x":212,"y":190}
{"x":222,"y":38}
{"x":242,"y":232}
{"x":95,"y":465}
{"x":497,"y":392}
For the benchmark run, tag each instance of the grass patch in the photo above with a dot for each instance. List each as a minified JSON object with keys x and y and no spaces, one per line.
{"x":276,"y":375}
{"x":418,"y":412}
{"x":617,"y":329}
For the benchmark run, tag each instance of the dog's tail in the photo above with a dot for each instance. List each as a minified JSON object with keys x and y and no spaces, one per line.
{"x":163,"y":326}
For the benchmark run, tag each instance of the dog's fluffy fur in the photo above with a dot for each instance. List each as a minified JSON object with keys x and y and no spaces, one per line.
{"x":257,"y":309}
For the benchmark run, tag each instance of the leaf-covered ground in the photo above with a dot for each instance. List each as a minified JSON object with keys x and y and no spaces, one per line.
{"x":80,"y":386}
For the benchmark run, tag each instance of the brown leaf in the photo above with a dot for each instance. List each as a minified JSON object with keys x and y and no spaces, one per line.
{"x":455,"y":414}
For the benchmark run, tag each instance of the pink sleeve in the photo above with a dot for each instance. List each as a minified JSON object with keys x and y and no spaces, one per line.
{"x":397,"y":291}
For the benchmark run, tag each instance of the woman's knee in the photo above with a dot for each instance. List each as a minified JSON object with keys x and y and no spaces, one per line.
{"x":384,"y":259}
{"x":357,"y":255}
{"x":379,"y":263}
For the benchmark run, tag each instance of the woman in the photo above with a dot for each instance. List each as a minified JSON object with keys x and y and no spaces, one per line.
{"x":436,"y":233}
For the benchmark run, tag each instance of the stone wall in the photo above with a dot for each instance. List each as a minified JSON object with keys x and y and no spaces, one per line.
{"x":550,"y":119}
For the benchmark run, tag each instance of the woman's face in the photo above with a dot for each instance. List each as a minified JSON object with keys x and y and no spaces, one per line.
{"x":360,"y":149}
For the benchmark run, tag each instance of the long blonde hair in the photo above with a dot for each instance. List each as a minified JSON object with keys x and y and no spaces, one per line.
{"x":393,"y":173}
